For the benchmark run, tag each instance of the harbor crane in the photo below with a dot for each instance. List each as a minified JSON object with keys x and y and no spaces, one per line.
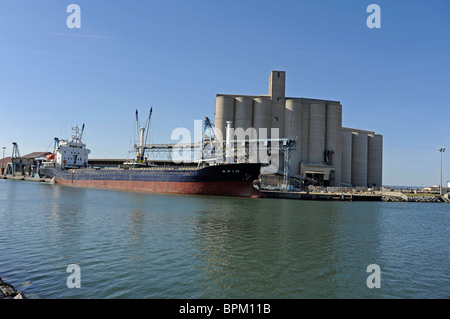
{"x":208,"y":138}
{"x":16,"y":161}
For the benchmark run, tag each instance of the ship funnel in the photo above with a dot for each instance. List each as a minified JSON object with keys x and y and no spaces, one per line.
{"x":228,"y":143}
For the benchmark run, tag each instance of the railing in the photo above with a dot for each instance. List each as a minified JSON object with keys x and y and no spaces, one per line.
{"x":337,"y":189}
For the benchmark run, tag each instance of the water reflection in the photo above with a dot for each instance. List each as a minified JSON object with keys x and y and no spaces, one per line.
{"x":136,"y":244}
{"x":64,"y":210}
{"x":285,"y":249}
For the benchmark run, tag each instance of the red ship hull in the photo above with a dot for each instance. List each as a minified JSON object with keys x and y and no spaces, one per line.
{"x":234,"y":179}
{"x":241,"y":189}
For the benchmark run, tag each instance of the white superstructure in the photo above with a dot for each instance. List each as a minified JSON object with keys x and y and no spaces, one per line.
{"x":71,"y":153}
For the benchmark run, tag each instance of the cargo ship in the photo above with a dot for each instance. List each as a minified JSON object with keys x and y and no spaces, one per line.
{"x":69,"y":165}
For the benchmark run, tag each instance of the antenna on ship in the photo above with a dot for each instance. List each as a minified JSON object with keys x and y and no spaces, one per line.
{"x":75,"y":135}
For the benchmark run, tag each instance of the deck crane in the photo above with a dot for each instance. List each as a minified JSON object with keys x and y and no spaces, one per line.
{"x":142,"y":134}
{"x":81,"y":134}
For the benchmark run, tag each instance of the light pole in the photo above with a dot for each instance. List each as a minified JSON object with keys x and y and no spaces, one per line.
{"x":3,"y":159}
{"x":442,"y":150}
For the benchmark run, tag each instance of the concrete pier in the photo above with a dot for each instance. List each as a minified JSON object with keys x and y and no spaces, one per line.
{"x":25,"y":178}
{"x":353,"y":197}
{"x":323,"y":196}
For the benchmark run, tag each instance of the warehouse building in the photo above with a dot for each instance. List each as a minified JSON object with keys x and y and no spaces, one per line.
{"x":326,"y":152}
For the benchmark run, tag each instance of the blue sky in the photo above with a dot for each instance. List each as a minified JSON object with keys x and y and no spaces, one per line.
{"x":177,"y":55}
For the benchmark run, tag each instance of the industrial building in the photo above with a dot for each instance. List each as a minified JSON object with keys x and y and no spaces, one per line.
{"x":326,"y":152}
{"x":22,"y":165}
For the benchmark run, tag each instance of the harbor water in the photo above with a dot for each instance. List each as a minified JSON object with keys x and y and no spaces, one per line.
{"x":137,"y":245}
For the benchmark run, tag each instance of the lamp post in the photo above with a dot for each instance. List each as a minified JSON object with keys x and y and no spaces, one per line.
{"x":3,"y":159}
{"x":442,"y":150}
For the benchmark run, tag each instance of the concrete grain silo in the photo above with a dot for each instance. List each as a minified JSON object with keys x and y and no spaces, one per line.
{"x":224,"y":112}
{"x":346,"y":158}
{"x":262,"y":116}
{"x":292,"y":129}
{"x":316,"y":132}
{"x":333,"y":140}
{"x":243,"y":113}
{"x":359,"y":158}
{"x":375,"y":160}
{"x":304,"y":135}
{"x":326,"y":153}
{"x":277,"y":83}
